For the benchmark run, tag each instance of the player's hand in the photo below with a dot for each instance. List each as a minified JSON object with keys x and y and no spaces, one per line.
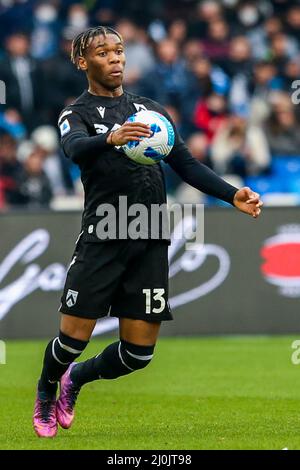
{"x":248,"y":201}
{"x":128,"y":132}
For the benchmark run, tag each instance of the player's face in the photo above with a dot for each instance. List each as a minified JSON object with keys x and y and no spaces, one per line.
{"x":105,"y":61}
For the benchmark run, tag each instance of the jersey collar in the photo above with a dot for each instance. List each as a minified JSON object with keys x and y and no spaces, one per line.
{"x":106,"y":101}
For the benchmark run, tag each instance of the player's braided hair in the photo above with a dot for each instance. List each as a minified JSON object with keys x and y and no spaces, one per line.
{"x":83,"y":40}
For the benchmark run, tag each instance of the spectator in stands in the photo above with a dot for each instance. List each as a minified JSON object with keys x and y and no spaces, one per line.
{"x":216,"y":45}
{"x":77,"y":19}
{"x":291,"y":73}
{"x":250,"y":95}
{"x":240,"y":148}
{"x":248,"y":14}
{"x":10,"y":172}
{"x":206,"y":12}
{"x":261,"y":36}
{"x":239,"y":67}
{"x":293,"y":22}
{"x":65,"y":82}
{"x":199,"y":147}
{"x":239,"y":61}
{"x":11,"y":121}
{"x":192,"y":50}
{"x":178,"y":120}
{"x":280,"y":52}
{"x":206,"y":78}
{"x":265,"y":80}
{"x":203,"y":79}
{"x":46,"y":142}
{"x":15,"y":16}
{"x":178,"y":31}
{"x":35,"y":187}
{"x":105,"y":15}
{"x":166,"y":81}
{"x":282,"y":127}
{"x":139,"y":56}
{"x":210,"y":114}
{"x":24,"y":79}
{"x":46,"y":30}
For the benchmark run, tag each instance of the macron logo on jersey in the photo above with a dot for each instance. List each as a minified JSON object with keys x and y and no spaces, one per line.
{"x":101,"y":111}
{"x":140,"y":107}
{"x":64,"y":127}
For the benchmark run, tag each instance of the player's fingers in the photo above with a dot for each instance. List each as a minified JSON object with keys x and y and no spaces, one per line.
{"x":257,"y":213}
{"x":135,"y":134}
{"x":132,"y":138}
{"x":134,"y":125}
{"x":253,"y":198}
{"x":247,"y":191}
{"x":250,"y":195}
{"x":138,"y":130}
{"x":129,"y":139}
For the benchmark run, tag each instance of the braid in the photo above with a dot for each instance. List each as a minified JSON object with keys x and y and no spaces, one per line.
{"x":82,"y":40}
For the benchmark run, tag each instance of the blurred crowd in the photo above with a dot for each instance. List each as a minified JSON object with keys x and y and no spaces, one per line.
{"x":227,"y":71}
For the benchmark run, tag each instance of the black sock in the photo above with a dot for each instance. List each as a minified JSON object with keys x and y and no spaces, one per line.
{"x":120,"y":358}
{"x":59,"y":354}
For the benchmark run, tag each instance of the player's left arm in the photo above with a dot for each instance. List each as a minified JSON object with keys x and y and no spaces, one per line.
{"x":204,"y":179}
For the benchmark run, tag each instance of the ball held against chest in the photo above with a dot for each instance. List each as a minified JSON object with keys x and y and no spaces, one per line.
{"x":153,"y":149}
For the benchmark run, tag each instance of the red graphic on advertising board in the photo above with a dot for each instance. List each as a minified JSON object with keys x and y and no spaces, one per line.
{"x":281,"y":266}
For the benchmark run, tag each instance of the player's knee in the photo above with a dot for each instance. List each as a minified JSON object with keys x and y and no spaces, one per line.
{"x":135,"y":356}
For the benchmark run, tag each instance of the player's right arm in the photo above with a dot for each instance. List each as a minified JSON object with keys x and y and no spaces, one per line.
{"x":78,"y":145}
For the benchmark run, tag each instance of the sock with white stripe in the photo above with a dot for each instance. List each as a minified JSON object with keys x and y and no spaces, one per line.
{"x":59,"y":354}
{"x":120,"y":358}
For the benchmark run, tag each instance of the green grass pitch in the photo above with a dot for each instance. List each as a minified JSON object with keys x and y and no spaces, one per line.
{"x":212,"y":393}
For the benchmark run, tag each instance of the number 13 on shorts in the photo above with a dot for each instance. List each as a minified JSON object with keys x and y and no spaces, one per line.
{"x":155,"y":301}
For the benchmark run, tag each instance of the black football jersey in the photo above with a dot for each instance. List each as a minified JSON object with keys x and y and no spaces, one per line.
{"x":107,"y":173}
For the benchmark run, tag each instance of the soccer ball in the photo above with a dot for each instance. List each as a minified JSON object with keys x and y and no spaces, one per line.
{"x":155,"y":148}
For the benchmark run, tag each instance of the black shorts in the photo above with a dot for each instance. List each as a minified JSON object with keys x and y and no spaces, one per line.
{"x":119,"y":278}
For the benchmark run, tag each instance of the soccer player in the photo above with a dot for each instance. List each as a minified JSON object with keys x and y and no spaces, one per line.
{"x":125,"y":278}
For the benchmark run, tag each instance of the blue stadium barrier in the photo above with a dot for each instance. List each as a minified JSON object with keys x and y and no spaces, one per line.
{"x":266,"y":184}
{"x":285,"y":166}
{"x":293,"y":184}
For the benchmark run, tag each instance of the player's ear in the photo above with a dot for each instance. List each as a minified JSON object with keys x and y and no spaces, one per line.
{"x":82,"y":64}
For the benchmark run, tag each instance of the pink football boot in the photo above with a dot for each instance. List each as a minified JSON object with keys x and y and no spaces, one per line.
{"x":44,"y":418}
{"x":67,"y":399}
